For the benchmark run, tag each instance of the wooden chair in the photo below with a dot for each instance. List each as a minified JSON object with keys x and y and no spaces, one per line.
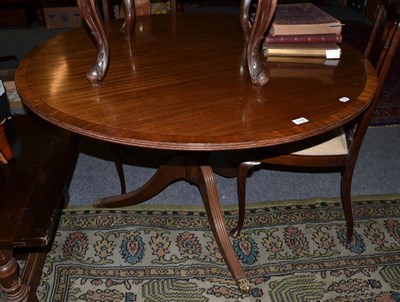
{"x":339,"y":149}
{"x":32,"y":194}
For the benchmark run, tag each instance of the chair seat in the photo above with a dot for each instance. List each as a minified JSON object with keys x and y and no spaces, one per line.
{"x":334,"y":144}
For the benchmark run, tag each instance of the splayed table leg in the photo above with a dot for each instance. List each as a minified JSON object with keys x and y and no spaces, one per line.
{"x":199,"y":173}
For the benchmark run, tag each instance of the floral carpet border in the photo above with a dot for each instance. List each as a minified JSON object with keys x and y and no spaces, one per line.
{"x":291,"y":251}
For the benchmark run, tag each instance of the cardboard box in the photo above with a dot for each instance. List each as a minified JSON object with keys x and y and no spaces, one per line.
{"x":62,"y":17}
{"x":8,"y":78}
{"x":16,"y":17}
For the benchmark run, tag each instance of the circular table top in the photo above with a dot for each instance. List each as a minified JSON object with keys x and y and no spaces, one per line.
{"x":180,"y":83}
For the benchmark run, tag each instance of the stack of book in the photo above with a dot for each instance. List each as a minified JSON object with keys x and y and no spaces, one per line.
{"x":302,"y":30}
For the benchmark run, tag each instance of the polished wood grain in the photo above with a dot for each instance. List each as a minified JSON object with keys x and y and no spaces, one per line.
{"x":190,"y":94}
{"x":181,"y":83}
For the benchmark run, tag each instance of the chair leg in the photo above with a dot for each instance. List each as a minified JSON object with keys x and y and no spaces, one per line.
{"x":243,"y":171}
{"x":347,"y":175}
{"x":116,"y":155}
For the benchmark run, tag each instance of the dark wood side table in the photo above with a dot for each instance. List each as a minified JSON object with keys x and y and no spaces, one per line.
{"x":32,"y":194}
{"x":253,"y":33}
{"x":193,"y":95}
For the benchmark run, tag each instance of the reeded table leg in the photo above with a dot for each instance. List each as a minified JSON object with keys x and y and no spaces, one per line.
{"x":173,"y":170}
{"x":10,"y":282}
{"x":203,"y":177}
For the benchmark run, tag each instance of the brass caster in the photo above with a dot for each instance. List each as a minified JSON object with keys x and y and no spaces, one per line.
{"x":244,"y":286}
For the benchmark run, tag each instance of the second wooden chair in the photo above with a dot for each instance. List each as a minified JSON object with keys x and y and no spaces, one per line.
{"x":339,"y":149}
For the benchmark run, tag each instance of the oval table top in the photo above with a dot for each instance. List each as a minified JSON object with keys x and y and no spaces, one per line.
{"x":180,"y":83}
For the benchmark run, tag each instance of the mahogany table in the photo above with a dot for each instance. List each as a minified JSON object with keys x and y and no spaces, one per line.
{"x":181,"y":83}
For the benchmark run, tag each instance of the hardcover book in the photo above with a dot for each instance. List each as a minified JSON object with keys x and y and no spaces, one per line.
{"x":325,"y":50}
{"x":303,"y":19}
{"x":283,"y":39}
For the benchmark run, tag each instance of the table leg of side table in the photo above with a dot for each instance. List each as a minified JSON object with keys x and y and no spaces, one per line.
{"x":265,"y":12}
{"x":10,"y":282}
{"x":203,"y":177}
{"x":130,"y":17}
{"x":245,"y":21}
{"x":89,"y":14}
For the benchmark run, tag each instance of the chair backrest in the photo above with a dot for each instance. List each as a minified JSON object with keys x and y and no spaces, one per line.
{"x":384,"y":39}
{"x":381,"y":51}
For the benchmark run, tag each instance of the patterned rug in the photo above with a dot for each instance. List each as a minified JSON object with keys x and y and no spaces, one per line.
{"x":291,"y":251}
